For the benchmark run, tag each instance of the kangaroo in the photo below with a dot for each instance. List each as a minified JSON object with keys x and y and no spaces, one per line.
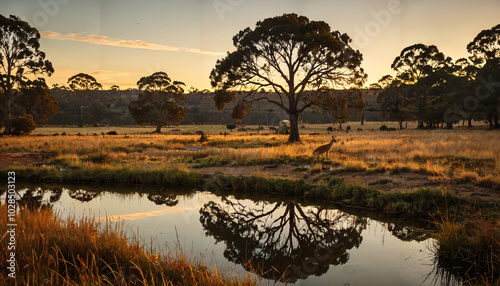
{"x":323,"y":149}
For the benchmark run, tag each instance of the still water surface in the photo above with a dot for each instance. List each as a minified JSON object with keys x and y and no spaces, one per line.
{"x":295,"y":241}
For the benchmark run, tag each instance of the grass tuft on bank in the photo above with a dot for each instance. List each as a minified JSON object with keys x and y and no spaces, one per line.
{"x":471,"y":244}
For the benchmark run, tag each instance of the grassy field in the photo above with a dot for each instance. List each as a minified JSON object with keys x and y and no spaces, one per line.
{"x":467,"y":156}
{"x":458,"y":161}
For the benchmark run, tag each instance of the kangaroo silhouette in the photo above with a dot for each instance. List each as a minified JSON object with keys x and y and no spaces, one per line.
{"x":323,"y":149}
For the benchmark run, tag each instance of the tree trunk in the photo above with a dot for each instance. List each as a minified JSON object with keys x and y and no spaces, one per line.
{"x":490,"y":121}
{"x":495,"y":121}
{"x":363,"y":118}
{"x":401,"y":125}
{"x":470,"y":123}
{"x":8,"y":117}
{"x":449,"y":125}
{"x":294,"y":128}
{"x":158,"y":129}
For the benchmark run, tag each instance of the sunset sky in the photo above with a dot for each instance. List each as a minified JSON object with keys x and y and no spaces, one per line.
{"x":119,"y":41}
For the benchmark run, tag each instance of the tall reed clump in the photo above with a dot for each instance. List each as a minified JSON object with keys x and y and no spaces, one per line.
{"x":473,"y":244}
{"x":53,"y":251}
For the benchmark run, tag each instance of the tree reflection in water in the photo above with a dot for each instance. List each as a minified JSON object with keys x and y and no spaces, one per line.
{"x":282,"y":241}
{"x":32,"y":198}
{"x":83,"y":195}
{"x":163,"y":199}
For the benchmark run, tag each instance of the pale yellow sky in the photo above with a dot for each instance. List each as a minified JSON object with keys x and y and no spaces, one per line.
{"x":119,"y":41}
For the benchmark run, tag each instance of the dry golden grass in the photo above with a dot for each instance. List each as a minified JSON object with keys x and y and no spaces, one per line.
{"x":453,"y":153}
{"x":56,"y":251}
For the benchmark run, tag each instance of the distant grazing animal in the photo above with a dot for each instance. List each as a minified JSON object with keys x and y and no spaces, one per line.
{"x":323,"y":149}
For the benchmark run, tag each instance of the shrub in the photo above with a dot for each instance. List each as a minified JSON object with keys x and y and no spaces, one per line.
{"x":98,"y":158}
{"x":23,"y":124}
{"x":330,"y":128}
{"x":231,"y":126}
{"x":385,"y":128}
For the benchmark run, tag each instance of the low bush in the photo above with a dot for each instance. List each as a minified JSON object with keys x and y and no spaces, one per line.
{"x":23,"y":125}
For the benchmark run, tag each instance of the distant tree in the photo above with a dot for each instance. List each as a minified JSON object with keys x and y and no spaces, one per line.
{"x":417,"y":61}
{"x":292,"y":56}
{"x":393,"y":100}
{"x":444,"y":88}
{"x":157,"y":104}
{"x":464,"y":72}
{"x":489,"y":97}
{"x":20,"y":57}
{"x":485,"y":46}
{"x":485,"y":50}
{"x":114,"y":87}
{"x":339,"y":103}
{"x":193,"y":90}
{"x":36,"y":99}
{"x":97,"y":111}
{"x":231,"y":126}
{"x":414,"y":63}
{"x":82,"y":83}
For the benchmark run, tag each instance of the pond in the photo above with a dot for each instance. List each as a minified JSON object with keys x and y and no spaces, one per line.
{"x":293,"y":241}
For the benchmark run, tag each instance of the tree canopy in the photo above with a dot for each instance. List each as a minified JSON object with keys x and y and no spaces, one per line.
{"x":417,"y":61}
{"x":485,"y":46}
{"x":295,"y":58}
{"x":83,"y":82}
{"x":157,"y":104}
{"x":20,"y":58}
{"x":36,"y":99}
{"x":393,"y":99}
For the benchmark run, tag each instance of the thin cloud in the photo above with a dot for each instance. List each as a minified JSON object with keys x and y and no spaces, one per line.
{"x":135,"y":44}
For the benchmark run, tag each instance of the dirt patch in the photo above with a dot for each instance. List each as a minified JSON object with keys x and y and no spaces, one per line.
{"x":8,"y":159}
{"x":386,"y":182}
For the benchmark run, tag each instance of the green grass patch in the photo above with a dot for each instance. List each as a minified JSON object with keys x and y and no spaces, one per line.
{"x":381,"y":182}
{"x":421,"y":202}
{"x":211,"y":161}
{"x":110,"y":175}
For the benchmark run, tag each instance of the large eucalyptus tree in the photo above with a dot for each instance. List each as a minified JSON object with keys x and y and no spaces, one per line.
{"x":296,"y":58}
{"x":20,"y":58}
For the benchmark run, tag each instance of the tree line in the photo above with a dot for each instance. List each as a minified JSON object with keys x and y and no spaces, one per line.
{"x":304,"y":64}
{"x":433,"y":89}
